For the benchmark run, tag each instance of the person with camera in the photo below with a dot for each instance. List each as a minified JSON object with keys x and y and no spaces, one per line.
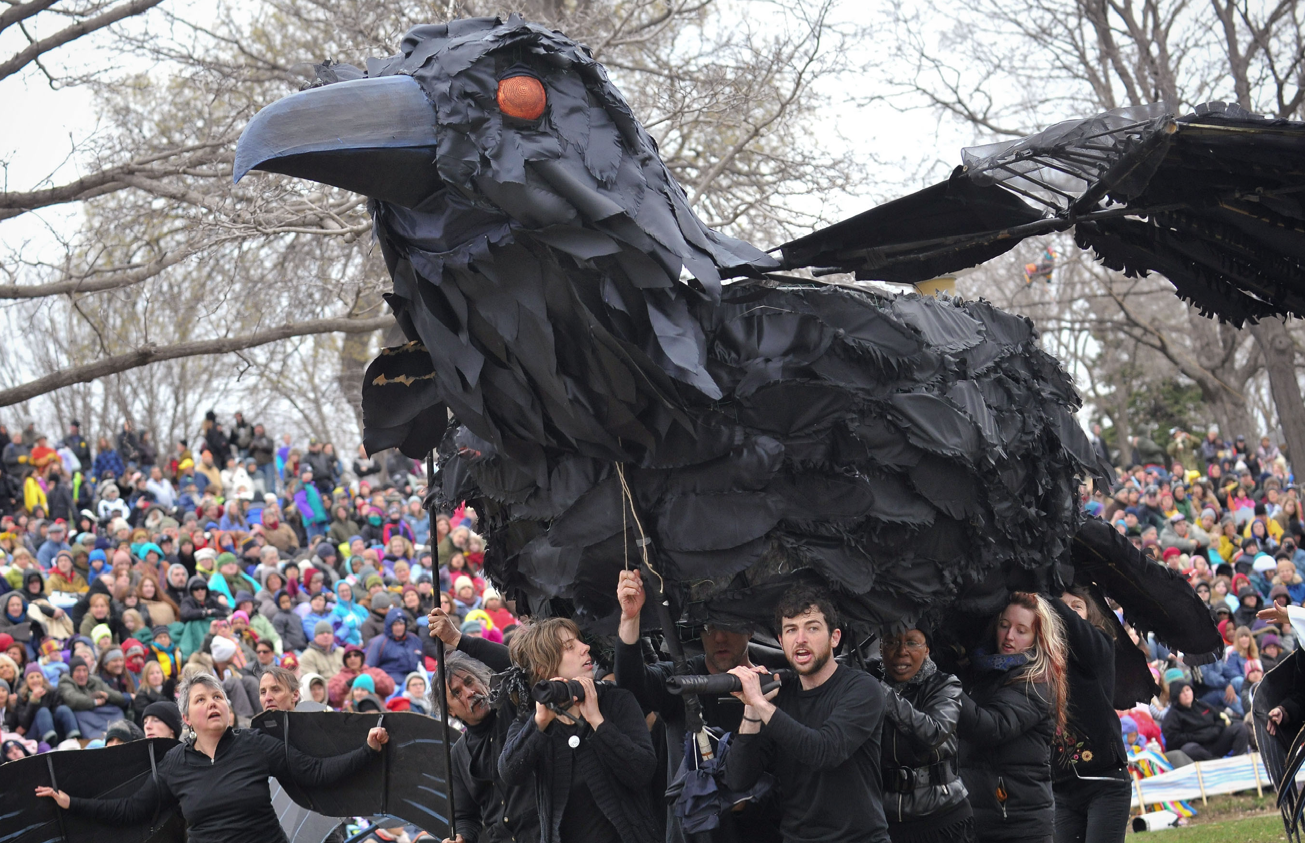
{"x":482,"y":801}
{"x":591,"y":758}
{"x":924,"y":798}
{"x":820,"y":737}
{"x":723,"y":648}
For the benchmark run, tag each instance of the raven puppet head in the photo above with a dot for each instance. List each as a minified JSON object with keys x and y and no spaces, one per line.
{"x":483,"y":133}
{"x":565,"y":304}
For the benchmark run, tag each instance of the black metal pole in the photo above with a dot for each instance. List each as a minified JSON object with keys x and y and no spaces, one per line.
{"x":441,"y":678}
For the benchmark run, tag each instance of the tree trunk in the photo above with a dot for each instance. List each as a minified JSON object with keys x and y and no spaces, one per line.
{"x":1280,"y":363}
{"x":355,"y":354}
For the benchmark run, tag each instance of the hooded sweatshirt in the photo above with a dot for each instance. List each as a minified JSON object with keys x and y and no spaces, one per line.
{"x":306,"y":691}
{"x":290,"y":627}
{"x":19,"y":626}
{"x":396,"y":656}
{"x":338,"y":688}
{"x":347,"y":617}
{"x":421,"y":704}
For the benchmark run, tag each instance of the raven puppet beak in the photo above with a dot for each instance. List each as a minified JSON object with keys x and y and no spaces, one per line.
{"x":372,"y":136}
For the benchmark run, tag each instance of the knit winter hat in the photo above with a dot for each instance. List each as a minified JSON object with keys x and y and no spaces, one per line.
{"x":223,"y":649}
{"x":100,"y":631}
{"x":463,"y":582}
{"x":161,"y":629}
{"x":125,"y":731}
{"x":243,"y":615}
{"x":226,"y":558}
{"x":167,"y":711}
{"x":76,"y":662}
{"x":322,"y":626}
{"x":362,"y":680}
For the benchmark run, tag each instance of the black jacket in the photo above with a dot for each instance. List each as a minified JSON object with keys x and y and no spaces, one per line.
{"x":193,"y":610}
{"x":225,"y":799}
{"x":1200,"y":723}
{"x":616,"y":761}
{"x":60,"y":499}
{"x":481,"y":800}
{"x":25,"y":710}
{"x":1006,"y":728}
{"x":262,"y":449}
{"x":1092,"y":744}
{"x":919,"y":746}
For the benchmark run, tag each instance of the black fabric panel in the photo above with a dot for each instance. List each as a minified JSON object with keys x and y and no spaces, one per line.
{"x":955,"y":206}
{"x":1154,"y":598}
{"x":26,"y":819}
{"x":407,"y":780}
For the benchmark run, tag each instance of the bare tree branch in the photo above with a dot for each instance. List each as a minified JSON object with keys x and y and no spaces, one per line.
{"x":36,"y":49}
{"x":153,"y":354}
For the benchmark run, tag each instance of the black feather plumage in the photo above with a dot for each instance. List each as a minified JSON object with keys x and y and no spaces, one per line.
{"x":567,"y":308}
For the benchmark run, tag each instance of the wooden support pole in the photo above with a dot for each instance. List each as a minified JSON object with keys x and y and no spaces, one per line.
{"x":1200,"y":782}
{"x":1255,"y":765}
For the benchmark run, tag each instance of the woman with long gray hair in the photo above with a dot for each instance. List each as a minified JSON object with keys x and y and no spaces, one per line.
{"x":218,"y":774}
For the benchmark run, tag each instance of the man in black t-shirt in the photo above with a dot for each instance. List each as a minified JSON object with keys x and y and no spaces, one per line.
{"x":819,"y":738}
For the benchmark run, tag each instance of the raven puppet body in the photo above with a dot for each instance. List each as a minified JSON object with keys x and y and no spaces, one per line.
{"x":566,"y":307}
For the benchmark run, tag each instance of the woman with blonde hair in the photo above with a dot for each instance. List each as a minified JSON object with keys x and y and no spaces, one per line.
{"x":592,"y":759}
{"x":1242,"y":651}
{"x":1016,"y":700}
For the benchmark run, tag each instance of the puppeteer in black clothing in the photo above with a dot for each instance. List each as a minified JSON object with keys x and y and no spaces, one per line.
{"x":822,"y":745}
{"x":225,"y":799}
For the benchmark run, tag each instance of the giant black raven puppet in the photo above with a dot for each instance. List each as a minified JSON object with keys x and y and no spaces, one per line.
{"x":563,"y":303}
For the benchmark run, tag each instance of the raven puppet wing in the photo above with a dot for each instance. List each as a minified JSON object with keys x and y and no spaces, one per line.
{"x":1212,"y":200}
{"x":566,"y":306}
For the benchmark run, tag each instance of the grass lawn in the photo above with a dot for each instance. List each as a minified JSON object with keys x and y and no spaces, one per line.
{"x":1262,"y":829}
{"x":1238,"y":818}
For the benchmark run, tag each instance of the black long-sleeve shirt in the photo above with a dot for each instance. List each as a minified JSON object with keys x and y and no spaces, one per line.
{"x":225,"y":799}
{"x":823,"y":747}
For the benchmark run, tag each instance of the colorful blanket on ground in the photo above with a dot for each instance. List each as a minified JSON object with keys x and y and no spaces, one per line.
{"x":1146,"y":763}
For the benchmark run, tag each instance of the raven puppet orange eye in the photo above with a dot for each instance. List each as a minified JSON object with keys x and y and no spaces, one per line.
{"x":521,"y":97}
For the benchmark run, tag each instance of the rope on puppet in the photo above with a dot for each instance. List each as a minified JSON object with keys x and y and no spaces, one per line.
{"x":627,"y":503}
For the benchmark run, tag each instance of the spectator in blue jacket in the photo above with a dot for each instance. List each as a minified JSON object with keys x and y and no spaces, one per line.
{"x":317,"y":611}
{"x":1220,"y":684}
{"x":348,"y":616}
{"x":398,"y":652}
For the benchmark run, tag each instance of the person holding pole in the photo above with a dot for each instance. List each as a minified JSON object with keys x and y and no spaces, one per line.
{"x":482,"y":801}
